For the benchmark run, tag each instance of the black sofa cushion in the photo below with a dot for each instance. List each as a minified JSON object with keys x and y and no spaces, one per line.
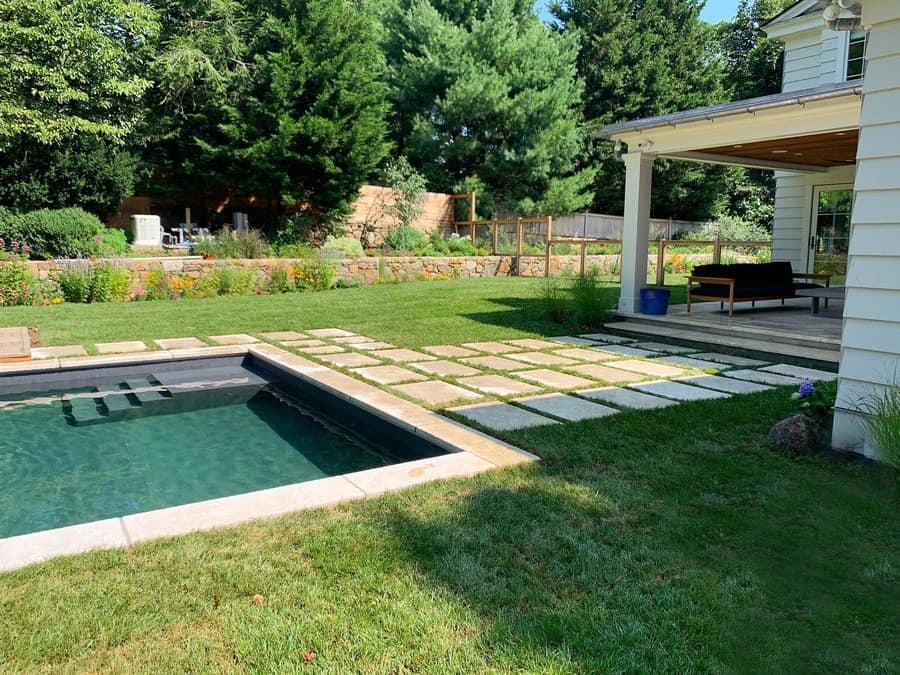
{"x":751,"y":280}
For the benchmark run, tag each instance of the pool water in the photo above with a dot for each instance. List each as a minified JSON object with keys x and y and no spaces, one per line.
{"x":74,"y":461}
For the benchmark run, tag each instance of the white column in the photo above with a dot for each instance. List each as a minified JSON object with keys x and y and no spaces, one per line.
{"x":635,"y":228}
{"x":870,"y":344}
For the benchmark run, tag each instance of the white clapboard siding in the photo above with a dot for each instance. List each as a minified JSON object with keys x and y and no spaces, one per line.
{"x":790,"y":221}
{"x":833,"y":56}
{"x":802,"y":60}
{"x":871,"y":338}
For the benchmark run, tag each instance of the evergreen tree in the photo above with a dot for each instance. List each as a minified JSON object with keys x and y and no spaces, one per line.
{"x":641,"y":58}
{"x":486,"y":99}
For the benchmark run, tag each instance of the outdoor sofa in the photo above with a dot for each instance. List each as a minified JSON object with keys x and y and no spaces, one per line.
{"x":749,"y":282}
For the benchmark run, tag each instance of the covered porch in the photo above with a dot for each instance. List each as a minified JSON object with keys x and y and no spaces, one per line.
{"x":809,"y":138}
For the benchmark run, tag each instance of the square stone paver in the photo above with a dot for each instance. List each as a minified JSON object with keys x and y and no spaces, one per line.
{"x":542,"y":359}
{"x":605,"y":373}
{"x":303,"y":343}
{"x":678,"y":390}
{"x":729,"y":359}
{"x":553,"y":379}
{"x":607,"y":338}
{"x":647,"y":368}
{"x":498,"y":385}
{"x":566,"y":407}
{"x":626,"y":350}
{"x":324,"y":349}
{"x":571,"y":340}
{"x":663,"y":347}
{"x":120,"y":347}
{"x":435,"y":392}
{"x":349,"y":360}
{"x":58,"y":352}
{"x":403,"y":355}
{"x":502,"y":416}
{"x":445,"y":368}
{"x":352,"y":339}
{"x":726,"y":384}
{"x":388,"y":374}
{"x":691,"y":362}
{"x":233,"y":339}
{"x":180,"y":343}
{"x":763,"y":377}
{"x":496,"y":363}
{"x":803,"y":373}
{"x":591,"y":355}
{"x":626,"y":398}
{"x":371,"y":346}
{"x":491,"y":347}
{"x":329,"y":333}
{"x":531,"y":343}
{"x":281,"y":335}
{"x":449,"y":351}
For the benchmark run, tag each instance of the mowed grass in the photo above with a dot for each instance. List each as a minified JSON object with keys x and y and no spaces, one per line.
{"x":674,"y":540}
{"x":412,"y":314}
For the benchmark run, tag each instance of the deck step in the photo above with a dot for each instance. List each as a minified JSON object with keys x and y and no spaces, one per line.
{"x":660,"y":330}
{"x":149,"y":396}
{"x":15,"y":344}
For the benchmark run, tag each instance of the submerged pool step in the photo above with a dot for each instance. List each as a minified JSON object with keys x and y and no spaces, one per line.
{"x":115,"y":400}
{"x":148,"y":395}
{"x":184,"y":382}
{"x":84,"y":410}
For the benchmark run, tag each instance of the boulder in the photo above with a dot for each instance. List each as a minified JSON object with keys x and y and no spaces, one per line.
{"x":798,"y":435}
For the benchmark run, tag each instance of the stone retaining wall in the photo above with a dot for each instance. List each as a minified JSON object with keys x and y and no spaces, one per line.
{"x":372,"y":269}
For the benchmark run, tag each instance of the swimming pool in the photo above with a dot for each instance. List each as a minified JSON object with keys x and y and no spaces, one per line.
{"x":102,"y":452}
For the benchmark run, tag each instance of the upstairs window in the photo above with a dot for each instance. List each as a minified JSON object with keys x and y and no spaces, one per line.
{"x":856,"y":55}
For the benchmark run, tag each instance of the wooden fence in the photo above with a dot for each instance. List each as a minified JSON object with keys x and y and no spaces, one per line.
{"x":470,"y":229}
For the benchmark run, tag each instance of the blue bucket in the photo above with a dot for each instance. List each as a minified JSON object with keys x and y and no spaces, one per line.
{"x":655,"y":300}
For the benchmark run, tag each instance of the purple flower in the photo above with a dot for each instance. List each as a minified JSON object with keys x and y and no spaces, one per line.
{"x":806,"y":389}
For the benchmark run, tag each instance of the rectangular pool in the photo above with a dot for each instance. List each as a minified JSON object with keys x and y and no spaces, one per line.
{"x":102,"y":443}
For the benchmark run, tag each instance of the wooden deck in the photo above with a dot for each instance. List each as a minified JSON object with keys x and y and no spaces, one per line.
{"x":790,"y":329}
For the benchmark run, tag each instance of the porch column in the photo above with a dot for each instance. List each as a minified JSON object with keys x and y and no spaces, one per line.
{"x":635,"y":228}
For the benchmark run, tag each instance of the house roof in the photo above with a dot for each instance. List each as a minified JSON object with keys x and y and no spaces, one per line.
{"x":746,"y":106}
{"x":799,"y":8}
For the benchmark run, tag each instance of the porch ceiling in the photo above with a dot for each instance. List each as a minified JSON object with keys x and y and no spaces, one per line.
{"x":837,"y":148}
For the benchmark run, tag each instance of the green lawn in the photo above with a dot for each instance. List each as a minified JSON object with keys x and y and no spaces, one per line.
{"x":672,"y":540}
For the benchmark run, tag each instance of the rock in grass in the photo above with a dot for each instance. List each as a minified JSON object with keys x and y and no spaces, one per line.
{"x":798,"y":435}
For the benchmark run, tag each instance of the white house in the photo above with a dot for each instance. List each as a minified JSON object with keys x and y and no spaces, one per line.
{"x":833,"y":137}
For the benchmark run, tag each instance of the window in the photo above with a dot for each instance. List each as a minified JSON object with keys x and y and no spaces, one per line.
{"x":856,"y":55}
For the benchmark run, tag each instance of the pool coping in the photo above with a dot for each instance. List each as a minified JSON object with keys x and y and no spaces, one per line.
{"x":469,"y":452}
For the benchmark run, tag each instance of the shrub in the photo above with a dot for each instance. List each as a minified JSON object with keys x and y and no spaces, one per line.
{"x":296,"y":250}
{"x":279,"y":282}
{"x":342,"y":247}
{"x":591,"y":306}
{"x":457,"y":245}
{"x":407,"y":188}
{"x":553,"y":304}
{"x":62,"y":233}
{"x":313,"y":274}
{"x":731,"y":229}
{"x":230,"y":244}
{"x":17,"y":285}
{"x":81,"y":281}
{"x":405,"y":238}
{"x":816,"y":400}
{"x":882,"y":423}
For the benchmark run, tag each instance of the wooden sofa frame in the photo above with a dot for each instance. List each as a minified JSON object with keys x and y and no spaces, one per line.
{"x":731,"y":299}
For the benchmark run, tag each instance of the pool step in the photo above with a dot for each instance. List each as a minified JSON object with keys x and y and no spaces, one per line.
{"x":83,"y":410}
{"x":115,"y":400}
{"x":185,"y":382}
{"x":148,"y":396}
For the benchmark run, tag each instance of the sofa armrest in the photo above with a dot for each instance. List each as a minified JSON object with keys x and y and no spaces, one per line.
{"x":719,"y":281}
{"x":826,"y":277}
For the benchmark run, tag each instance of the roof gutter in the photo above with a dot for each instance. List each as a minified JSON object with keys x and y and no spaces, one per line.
{"x":746,"y":107}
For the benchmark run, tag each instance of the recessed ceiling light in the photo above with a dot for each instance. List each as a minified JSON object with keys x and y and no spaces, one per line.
{"x":779,"y":152}
{"x":737,"y":146}
{"x":799,"y":154}
{"x":841,"y":133}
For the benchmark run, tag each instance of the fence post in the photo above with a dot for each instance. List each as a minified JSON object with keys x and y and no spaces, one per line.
{"x":495,"y":241}
{"x":661,"y":263}
{"x":717,"y":250}
{"x":583,"y":257}
{"x":548,"y":252}
{"x":519,"y":234}
{"x":472,"y":232}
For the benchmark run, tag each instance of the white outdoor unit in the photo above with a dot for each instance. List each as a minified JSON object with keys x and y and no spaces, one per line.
{"x":146,"y":231}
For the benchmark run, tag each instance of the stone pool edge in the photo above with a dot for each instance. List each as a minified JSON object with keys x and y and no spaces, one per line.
{"x":470,"y":452}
